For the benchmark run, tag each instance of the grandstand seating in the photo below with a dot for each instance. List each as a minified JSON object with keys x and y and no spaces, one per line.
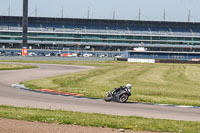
{"x":102,"y":32}
{"x":150,"y":30}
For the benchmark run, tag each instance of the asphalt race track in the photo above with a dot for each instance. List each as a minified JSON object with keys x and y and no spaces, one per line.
{"x":23,"y":98}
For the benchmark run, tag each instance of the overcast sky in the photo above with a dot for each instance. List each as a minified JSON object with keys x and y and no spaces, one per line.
{"x":176,"y":10}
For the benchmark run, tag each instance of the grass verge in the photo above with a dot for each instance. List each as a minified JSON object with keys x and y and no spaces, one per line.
{"x":98,"y":120}
{"x":152,"y":83}
{"x":14,"y":67}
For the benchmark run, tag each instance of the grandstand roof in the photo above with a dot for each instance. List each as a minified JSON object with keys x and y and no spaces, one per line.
{"x":100,"y":22}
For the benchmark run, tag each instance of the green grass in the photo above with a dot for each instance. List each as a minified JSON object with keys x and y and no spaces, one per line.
{"x":152,"y":83}
{"x":98,"y":120}
{"x":14,"y":67}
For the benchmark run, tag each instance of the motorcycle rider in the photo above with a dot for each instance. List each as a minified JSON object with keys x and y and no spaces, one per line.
{"x":120,"y":94}
{"x":127,"y":87}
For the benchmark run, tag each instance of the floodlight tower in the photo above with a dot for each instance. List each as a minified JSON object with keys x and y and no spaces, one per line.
{"x":25,"y":23}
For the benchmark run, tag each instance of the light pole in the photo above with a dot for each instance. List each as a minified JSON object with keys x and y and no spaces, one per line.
{"x":25,"y":23}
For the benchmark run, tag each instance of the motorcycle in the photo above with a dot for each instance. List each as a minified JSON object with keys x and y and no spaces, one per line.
{"x":120,"y":95}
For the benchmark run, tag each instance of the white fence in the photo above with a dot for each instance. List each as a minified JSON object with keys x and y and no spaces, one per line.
{"x":141,"y":60}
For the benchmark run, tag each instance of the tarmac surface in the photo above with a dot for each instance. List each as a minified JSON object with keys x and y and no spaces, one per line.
{"x":23,"y":98}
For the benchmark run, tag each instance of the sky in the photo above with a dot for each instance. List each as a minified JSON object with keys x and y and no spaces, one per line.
{"x":176,"y":10}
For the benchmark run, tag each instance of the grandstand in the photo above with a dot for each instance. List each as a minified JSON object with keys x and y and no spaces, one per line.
{"x":100,"y":34}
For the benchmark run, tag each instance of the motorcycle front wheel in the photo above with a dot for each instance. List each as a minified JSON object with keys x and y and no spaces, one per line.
{"x":108,"y":97}
{"x":123,"y":98}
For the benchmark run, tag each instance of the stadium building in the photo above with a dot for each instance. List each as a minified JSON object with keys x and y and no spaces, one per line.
{"x":100,"y":34}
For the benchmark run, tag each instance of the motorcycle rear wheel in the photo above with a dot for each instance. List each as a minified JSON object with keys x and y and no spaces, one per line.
{"x":123,"y":98}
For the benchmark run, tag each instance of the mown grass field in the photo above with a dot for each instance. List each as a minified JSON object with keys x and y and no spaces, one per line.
{"x":99,"y":120}
{"x":14,"y":67}
{"x":152,"y":83}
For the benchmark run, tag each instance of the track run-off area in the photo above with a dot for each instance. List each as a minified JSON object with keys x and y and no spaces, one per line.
{"x":22,"y":98}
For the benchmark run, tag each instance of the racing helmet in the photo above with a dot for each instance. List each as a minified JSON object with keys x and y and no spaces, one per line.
{"x":128,"y":85}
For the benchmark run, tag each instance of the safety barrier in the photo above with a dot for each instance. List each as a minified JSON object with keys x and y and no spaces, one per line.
{"x":141,"y":60}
